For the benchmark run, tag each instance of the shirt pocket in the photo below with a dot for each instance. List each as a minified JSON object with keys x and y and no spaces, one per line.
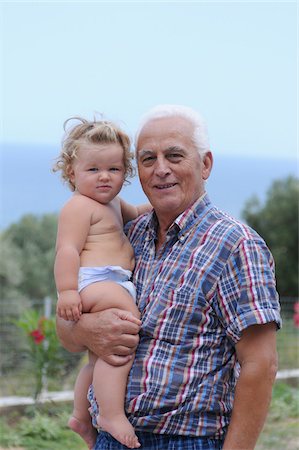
{"x":175,"y":317}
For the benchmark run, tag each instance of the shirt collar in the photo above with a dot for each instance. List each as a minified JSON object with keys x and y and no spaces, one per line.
{"x":183,"y":222}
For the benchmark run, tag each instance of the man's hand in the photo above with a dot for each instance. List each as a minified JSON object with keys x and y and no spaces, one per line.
{"x":111,"y":334}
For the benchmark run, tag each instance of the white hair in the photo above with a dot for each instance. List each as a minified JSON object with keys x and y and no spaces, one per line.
{"x":200,"y":136}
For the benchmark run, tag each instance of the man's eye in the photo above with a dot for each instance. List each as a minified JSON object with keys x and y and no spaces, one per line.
{"x":174,"y":156}
{"x":148,"y":159}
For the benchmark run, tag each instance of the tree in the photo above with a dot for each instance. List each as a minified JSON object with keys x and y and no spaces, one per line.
{"x":26,"y":276}
{"x":10,"y":269}
{"x":13,"y":302}
{"x":277,"y":222}
{"x":34,"y":238}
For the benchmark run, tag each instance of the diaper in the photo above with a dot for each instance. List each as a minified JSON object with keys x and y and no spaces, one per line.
{"x":89,"y":275}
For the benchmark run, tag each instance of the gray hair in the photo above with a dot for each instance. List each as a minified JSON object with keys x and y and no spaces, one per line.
{"x":200,"y":136}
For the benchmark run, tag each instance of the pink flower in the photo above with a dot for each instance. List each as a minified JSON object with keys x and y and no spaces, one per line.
{"x":38,"y":337}
{"x":296,"y":314}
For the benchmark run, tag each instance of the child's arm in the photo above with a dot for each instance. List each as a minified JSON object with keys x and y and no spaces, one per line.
{"x":73,"y":227}
{"x":131,"y":212}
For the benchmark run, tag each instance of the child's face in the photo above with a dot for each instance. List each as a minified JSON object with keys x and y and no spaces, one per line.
{"x":98,"y":171}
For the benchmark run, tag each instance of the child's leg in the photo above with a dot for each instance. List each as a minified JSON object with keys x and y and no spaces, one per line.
{"x":107,"y":294}
{"x":110,"y":382}
{"x":80,"y":422}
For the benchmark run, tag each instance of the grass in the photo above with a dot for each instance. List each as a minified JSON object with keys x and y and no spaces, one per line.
{"x":45,"y":427}
{"x":281,"y":430}
{"x":39,"y":428}
{"x":287,"y":346}
{"x":19,"y":382}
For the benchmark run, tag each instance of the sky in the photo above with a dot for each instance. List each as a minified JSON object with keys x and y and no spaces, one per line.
{"x":233,"y":61}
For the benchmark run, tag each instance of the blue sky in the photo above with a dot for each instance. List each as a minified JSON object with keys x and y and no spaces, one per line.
{"x":236,"y":62}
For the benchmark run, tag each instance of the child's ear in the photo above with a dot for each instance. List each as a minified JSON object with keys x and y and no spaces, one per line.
{"x":70,"y":174}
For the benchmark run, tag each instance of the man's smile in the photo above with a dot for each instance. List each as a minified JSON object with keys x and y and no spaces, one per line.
{"x":165,"y":186}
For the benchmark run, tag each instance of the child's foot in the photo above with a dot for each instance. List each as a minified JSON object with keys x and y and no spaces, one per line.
{"x":87,"y":432}
{"x":120,"y":428}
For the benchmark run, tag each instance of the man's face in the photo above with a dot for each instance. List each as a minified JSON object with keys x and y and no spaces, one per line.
{"x":171,"y":171}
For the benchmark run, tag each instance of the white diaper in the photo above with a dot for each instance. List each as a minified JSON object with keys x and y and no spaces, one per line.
{"x":89,"y":275}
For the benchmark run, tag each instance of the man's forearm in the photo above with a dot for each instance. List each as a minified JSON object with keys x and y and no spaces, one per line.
{"x":111,"y":335}
{"x":69,"y":335}
{"x":251,"y":404}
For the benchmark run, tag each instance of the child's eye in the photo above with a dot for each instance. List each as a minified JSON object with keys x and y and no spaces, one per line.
{"x":114,"y":169}
{"x":93,"y":169}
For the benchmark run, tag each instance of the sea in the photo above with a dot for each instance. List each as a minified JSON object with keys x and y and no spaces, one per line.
{"x":28,"y":185}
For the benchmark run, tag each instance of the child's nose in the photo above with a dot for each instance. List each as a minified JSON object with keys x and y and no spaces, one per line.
{"x":103,"y":174}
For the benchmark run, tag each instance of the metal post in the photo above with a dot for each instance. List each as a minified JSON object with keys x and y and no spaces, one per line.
{"x":47,"y":314}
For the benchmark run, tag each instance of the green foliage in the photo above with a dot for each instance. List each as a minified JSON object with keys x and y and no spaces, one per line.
{"x":285,"y":402}
{"x":26,"y":275}
{"x":45,"y":427}
{"x":287,"y":345}
{"x":277,"y":222}
{"x":8,"y":436}
{"x":282,"y":427}
{"x":43,"y":346}
{"x":11,"y":274}
{"x":11,"y":277}
{"x":33,"y":238}
{"x":40,"y":429}
{"x":40,"y":425}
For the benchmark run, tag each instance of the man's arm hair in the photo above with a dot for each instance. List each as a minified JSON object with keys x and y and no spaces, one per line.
{"x":111,"y":334}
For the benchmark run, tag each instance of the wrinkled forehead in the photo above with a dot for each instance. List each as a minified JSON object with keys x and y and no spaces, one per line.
{"x":166,"y":131}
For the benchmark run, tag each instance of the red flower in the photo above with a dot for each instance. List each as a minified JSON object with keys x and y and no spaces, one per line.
{"x":37,"y":336}
{"x":296,"y":314}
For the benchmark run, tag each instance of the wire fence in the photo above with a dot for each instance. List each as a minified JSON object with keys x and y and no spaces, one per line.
{"x":16,"y":372}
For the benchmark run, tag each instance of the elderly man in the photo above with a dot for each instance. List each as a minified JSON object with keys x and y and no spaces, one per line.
{"x":206,"y":359}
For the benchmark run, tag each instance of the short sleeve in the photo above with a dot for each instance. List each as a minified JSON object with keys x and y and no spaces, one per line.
{"x":246,"y":292}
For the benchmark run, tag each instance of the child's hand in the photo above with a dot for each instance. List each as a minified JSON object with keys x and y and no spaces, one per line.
{"x":126,"y":315}
{"x":69,"y":305}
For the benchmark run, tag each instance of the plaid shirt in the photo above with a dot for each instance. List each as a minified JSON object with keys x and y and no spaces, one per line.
{"x":213,"y":278}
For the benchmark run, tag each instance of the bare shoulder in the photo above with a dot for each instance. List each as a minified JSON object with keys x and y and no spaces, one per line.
{"x":117,"y":202}
{"x":79,"y":201}
{"x":79,"y":205}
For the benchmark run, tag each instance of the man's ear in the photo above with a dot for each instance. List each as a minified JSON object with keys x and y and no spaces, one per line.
{"x":207,"y":165}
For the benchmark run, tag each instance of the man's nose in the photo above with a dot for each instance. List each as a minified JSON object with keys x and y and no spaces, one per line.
{"x":162,"y":167}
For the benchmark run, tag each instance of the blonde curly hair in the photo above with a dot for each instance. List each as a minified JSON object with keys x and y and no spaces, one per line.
{"x":91,"y":132}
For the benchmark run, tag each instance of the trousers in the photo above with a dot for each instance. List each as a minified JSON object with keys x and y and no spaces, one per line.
{"x":151,"y":441}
